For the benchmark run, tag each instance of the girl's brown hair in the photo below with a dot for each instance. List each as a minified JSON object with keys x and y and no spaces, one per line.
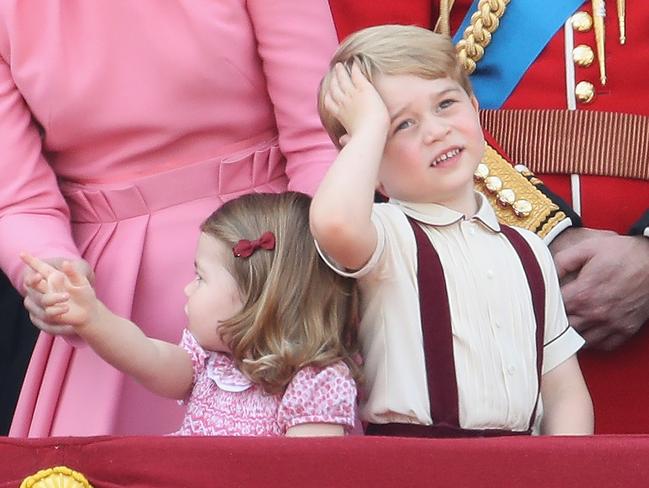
{"x":296,"y":311}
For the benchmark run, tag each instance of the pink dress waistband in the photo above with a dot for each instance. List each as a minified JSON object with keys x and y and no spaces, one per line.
{"x":255,"y":166}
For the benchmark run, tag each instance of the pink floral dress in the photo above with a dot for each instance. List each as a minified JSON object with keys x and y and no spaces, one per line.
{"x":225,"y":402}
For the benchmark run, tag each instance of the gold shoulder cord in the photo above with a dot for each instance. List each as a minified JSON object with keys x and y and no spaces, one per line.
{"x":514,"y":196}
{"x":484,"y":22}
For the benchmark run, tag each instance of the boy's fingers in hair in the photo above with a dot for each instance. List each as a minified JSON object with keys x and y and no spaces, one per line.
{"x":331,"y":105}
{"x":76,"y":278}
{"x":335,"y":92}
{"x":344,"y":139}
{"x":357,"y":76}
{"x":344,"y":79}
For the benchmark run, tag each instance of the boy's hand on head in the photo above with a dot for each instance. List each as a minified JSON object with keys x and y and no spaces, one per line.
{"x":354,"y":101}
{"x":67,"y":298}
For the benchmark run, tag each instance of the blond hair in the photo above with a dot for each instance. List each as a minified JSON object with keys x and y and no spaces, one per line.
{"x":296,"y":311}
{"x":392,"y":50}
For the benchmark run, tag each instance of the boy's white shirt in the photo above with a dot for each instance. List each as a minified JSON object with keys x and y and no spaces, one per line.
{"x":482,"y":272}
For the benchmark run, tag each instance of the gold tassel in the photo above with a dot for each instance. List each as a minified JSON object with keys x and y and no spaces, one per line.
{"x":443,"y":24}
{"x":599,"y":13}
{"x":621,"y":19}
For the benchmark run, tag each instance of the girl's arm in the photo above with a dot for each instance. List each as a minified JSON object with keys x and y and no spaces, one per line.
{"x":68,"y":297}
{"x":342,"y":206}
{"x":567,"y":406}
{"x":315,"y":430}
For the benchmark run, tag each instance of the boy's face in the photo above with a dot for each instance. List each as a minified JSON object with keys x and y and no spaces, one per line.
{"x":435,"y":140}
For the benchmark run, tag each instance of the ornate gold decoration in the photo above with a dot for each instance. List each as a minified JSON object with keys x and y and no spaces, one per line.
{"x":582,"y":22}
{"x":584,"y":91}
{"x":57,"y":477}
{"x":517,"y":202}
{"x":583,"y":55}
{"x":477,"y":35}
{"x":551,"y":223}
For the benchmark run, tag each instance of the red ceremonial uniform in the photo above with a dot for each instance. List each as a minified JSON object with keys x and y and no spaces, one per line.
{"x":606,"y":202}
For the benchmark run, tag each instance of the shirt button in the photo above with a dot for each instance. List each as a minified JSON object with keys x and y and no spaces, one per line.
{"x":490,"y":274}
{"x":497,"y":324}
{"x":511,"y":370}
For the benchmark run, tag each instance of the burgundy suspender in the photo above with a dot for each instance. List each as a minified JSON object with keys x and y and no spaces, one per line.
{"x":537,"y":288}
{"x":438,"y":341}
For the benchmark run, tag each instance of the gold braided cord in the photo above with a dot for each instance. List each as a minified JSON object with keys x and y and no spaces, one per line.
{"x":477,"y":35}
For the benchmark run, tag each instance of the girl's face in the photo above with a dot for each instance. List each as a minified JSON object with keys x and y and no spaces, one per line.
{"x":213,"y":295}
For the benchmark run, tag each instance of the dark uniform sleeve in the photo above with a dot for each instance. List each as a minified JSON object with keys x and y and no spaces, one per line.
{"x":641,"y":226}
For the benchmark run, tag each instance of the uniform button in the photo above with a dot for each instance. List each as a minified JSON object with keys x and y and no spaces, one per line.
{"x":584,"y":91}
{"x":506,"y":197}
{"x":481,"y":172}
{"x":490,"y":274}
{"x":583,"y":55}
{"x":493,"y":184}
{"x":581,"y":21}
{"x":511,"y":370}
{"x":497,"y":324}
{"x":522,"y":208}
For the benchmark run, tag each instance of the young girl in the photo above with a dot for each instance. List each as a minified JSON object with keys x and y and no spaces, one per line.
{"x":270,"y":343}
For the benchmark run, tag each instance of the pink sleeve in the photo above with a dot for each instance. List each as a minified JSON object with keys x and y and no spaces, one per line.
{"x":197,"y":354}
{"x":33,"y":214}
{"x":319,"y":396}
{"x":295,"y":42}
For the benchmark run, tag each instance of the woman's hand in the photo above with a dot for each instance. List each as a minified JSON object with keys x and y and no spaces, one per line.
{"x":36,"y":287}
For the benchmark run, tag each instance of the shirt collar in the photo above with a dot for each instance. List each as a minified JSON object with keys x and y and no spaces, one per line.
{"x":439,"y":215}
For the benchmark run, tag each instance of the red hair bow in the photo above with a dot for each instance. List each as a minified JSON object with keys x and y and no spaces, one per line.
{"x":245,"y":248}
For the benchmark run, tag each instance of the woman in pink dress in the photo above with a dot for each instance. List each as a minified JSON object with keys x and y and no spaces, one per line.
{"x":122,"y":124}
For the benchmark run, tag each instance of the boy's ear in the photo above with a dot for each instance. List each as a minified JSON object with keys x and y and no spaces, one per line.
{"x":475,"y":103}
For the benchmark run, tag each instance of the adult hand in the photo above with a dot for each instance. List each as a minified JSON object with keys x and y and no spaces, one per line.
{"x":34,"y":290}
{"x":605,"y":284}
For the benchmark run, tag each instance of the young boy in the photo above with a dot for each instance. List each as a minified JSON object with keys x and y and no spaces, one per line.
{"x":463,"y":328}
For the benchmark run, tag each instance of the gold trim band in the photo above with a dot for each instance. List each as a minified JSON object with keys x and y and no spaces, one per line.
{"x":573,"y":142}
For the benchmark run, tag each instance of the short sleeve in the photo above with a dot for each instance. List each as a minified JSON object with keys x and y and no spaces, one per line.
{"x":319,"y":396}
{"x":395,"y":244}
{"x":197,"y":354}
{"x":560,"y":340}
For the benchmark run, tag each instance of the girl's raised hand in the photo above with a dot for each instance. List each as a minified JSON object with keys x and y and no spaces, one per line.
{"x":67,"y":296}
{"x":355,"y":102}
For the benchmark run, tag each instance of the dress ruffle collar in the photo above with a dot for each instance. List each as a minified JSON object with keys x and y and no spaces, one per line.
{"x":221,"y":369}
